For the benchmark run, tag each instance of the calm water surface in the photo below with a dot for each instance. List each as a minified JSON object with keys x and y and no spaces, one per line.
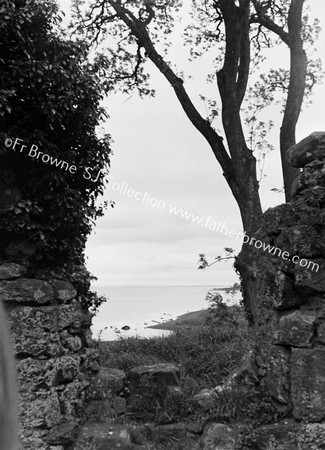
{"x":140,"y":307}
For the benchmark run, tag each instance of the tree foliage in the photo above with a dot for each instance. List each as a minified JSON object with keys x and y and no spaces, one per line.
{"x":50,"y":97}
{"x":203,"y":262}
{"x":235,"y":33}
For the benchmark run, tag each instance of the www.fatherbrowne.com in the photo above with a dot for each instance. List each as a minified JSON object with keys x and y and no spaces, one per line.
{"x":219,"y":227}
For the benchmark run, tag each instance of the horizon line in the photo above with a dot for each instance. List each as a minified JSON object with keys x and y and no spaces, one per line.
{"x":164,"y":285}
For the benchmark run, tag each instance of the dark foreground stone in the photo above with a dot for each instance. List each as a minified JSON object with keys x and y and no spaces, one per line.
{"x":150,"y":386}
{"x":307,"y":150}
{"x":104,"y":436}
{"x":218,"y":436}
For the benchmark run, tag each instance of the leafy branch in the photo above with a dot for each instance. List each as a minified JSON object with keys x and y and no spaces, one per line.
{"x":203,"y":262}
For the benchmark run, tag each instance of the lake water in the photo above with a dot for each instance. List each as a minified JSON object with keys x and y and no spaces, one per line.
{"x":140,"y":307}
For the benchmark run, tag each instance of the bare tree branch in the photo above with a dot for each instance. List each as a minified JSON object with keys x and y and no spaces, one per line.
{"x":138,"y":29}
{"x":263,"y":19}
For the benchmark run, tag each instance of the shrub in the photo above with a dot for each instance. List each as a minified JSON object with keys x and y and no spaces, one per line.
{"x":50,"y":99}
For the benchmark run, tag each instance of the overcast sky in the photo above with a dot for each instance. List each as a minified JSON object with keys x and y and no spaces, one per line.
{"x":158,"y":152}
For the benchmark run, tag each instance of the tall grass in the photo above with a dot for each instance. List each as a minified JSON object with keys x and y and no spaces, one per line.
{"x":206,"y":354}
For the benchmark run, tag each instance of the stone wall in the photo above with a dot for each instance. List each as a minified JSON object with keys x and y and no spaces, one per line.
{"x":289,"y":307}
{"x":45,"y":290}
{"x":52,"y":341}
{"x":61,"y":384}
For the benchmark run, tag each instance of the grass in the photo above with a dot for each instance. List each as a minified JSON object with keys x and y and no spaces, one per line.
{"x":206,"y":353}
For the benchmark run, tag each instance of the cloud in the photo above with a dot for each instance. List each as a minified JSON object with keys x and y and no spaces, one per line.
{"x":156,"y":264}
{"x":157,"y":150}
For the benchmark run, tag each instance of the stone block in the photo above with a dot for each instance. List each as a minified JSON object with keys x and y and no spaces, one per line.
{"x":305,"y":240}
{"x":66,"y":369}
{"x":47,"y":372}
{"x":11,"y":270}
{"x":312,"y":437}
{"x":70,"y":316}
{"x":148,"y":387}
{"x":99,"y":411}
{"x":70,"y":342}
{"x":39,"y":409}
{"x":219,"y":436}
{"x":26,"y":290}
{"x":27,"y":321}
{"x":72,"y":398}
{"x":91,"y":360}
{"x":206,"y":399}
{"x":321,"y":332}
{"x":62,"y":434}
{"x":286,"y":296}
{"x":105,"y":410}
{"x":311,"y":280}
{"x":105,"y":384}
{"x":169,"y":433}
{"x":160,"y":374}
{"x":308,"y":384}
{"x":103,"y":436}
{"x":141,"y":434}
{"x":196,"y":426}
{"x":174,"y":400}
{"x":38,"y":328}
{"x":296,"y":329}
{"x":308,"y":149}
{"x":277,"y":372}
{"x":63,"y":291}
{"x":119,"y":405}
{"x":298,"y":185}
{"x":279,"y":436}
{"x":308,"y":203}
{"x":34,"y":331}
{"x":33,"y":439}
{"x":316,"y":305}
{"x":312,"y":176}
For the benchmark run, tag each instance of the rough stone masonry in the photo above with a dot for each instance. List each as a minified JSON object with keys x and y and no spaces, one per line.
{"x":50,"y":332}
{"x":289,"y":308}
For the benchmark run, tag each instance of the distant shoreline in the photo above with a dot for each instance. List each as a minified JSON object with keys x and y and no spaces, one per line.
{"x":193,"y":318}
{"x":190,"y":319}
{"x":218,"y":288}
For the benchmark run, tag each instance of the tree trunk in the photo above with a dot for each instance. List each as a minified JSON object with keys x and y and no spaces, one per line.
{"x":239,"y":168}
{"x":232,"y":83}
{"x":237,"y":161}
{"x":287,"y":138}
{"x":296,"y":89}
{"x":298,"y":72}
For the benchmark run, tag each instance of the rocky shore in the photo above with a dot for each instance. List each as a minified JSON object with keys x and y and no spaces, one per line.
{"x":193,"y":318}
